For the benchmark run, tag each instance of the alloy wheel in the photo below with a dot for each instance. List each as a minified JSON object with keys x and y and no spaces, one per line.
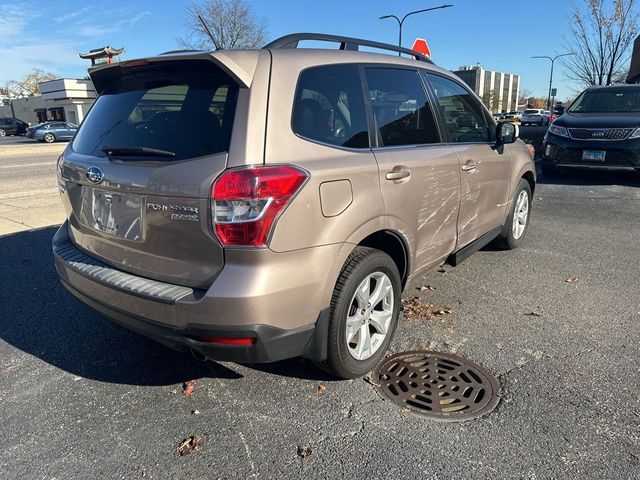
{"x":369,"y":317}
{"x":520,"y":215}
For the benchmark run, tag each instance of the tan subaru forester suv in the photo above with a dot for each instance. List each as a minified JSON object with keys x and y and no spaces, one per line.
{"x":257,"y":205}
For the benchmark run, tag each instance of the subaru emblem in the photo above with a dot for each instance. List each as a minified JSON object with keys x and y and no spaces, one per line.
{"x":94,"y":175}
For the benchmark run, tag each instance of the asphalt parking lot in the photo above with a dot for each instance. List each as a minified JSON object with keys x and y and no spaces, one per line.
{"x":82,"y":398}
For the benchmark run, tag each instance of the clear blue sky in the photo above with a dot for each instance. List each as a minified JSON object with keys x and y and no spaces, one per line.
{"x":499,"y":34}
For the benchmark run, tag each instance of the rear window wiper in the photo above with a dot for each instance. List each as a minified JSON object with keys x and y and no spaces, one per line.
{"x":119,"y":151}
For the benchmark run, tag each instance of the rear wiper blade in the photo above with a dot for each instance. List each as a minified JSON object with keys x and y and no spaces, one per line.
{"x":118,"y":151}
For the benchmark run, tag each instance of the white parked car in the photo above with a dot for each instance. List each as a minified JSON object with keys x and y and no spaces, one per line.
{"x":534,"y":116}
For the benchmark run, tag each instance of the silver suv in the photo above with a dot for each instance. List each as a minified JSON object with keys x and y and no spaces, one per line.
{"x":258,"y":205}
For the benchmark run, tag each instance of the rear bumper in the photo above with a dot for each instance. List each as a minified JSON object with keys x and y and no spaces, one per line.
{"x":179,"y":317}
{"x":567,"y":152}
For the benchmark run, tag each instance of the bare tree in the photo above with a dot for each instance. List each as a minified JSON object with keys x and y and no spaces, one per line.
{"x":525,"y":95}
{"x":232,"y":24}
{"x":491,"y":101}
{"x":28,"y":86}
{"x":602,"y":32}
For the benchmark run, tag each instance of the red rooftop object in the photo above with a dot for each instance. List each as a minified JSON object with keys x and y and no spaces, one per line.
{"x":99,"y":53}
{"x":421,"y":46}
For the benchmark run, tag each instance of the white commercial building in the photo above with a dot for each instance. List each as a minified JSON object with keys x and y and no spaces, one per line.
{"x":499,"y":91}
{"x":65,"y":99}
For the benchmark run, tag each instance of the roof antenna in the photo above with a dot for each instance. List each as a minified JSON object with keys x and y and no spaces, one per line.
{"x":206,"y":29}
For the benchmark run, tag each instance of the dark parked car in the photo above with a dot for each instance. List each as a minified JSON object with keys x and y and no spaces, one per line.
{"x":52,"y":131}
{"x":12,"y":126}
{"x":600,"y":129}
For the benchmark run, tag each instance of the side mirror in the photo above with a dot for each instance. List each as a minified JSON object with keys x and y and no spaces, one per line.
{"x":507,"y":132}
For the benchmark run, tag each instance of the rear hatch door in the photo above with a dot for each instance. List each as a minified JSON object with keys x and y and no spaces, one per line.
{"x":137,"y":177}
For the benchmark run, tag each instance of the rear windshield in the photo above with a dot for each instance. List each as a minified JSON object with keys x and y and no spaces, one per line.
{"x":625,"y":100}
{"x":531,"y":112}
{"x":184,"y":107}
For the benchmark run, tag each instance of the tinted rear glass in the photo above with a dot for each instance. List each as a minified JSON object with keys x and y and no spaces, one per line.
{"x":329,"y":106}
{"x":625,"y":100}
{"x":182,"y":107}
{"x":531,"y":112}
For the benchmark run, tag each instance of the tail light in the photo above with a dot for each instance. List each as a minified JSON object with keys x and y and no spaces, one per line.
{"x":247,"y":201}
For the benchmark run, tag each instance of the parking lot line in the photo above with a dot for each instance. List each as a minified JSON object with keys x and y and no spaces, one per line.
{"x":28,"y":165}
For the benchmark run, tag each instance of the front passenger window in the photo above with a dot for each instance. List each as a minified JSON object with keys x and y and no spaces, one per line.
{"x":463,"y":115}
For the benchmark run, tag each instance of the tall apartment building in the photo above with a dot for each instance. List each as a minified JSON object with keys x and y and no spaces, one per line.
{"x":499,"y":91}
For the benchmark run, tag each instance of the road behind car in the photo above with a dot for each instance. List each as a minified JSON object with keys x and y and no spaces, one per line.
{"x":557,"y":320}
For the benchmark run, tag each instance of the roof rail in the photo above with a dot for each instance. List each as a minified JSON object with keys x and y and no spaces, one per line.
{"x":346,"y":43}
{"x":186,"y":50}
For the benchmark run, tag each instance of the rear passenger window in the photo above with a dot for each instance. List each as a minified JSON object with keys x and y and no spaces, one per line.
{"x":401,"y":109}
{"x":463,"y":115}
{"x":329,"y":107}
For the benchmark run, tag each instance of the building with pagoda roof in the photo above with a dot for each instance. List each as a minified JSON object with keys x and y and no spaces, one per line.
{"x":63,"y":99}
{"x":101,"y":55}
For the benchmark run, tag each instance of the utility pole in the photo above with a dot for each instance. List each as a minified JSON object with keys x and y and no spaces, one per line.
{"x":401,"y":22}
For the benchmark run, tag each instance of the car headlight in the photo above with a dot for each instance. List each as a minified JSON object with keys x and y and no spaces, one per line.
{"x":635,"y":134}
{"x":557,"y":130}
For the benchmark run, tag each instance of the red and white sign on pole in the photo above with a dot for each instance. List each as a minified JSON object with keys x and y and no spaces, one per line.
{"x":421,"y":46}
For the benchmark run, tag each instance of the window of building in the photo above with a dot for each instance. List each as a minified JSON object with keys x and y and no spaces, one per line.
{"x":464,"y":117}
{"x":329,"y":106}
{"x":401,"y":110}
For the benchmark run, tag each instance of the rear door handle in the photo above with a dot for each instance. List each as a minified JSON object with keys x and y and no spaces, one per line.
{"x":398,"y":173}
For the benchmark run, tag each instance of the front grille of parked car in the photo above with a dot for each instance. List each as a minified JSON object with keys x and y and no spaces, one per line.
{"x":600,"y":133}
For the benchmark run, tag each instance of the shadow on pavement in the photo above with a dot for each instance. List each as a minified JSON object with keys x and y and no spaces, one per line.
{"x":39,"y":317}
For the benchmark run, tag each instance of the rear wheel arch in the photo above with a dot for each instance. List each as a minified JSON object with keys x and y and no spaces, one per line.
{"x":528,"y":176}
{"x":393,"y":244}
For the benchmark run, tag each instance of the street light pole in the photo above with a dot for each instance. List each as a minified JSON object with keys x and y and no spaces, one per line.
{"x":401,"y":21}
{"x":553,"y":60}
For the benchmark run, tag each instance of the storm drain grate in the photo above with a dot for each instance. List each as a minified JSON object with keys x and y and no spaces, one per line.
{"x":441,"y":386}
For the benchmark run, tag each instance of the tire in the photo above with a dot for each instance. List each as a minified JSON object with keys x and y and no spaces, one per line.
{"x":49,"y":138}
{"x":363,"y":263}
{"x":3,"y":132}
{"x":512,"y":237}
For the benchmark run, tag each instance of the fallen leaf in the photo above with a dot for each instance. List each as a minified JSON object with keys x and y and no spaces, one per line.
{"x":533,"y":314}
{"x":189,"y":445}
{"x":305,"y":451}
{"x":571,"y":279}
{"x":441,"y":270}
{"x":405,"y":410}
{"x":425,"y":287}
{"x":321,"y":389}
{"x":188,"y":388}
{"x":415,"y":309}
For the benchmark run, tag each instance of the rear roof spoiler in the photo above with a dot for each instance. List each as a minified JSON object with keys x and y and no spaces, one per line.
{"x":238,"y":64}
